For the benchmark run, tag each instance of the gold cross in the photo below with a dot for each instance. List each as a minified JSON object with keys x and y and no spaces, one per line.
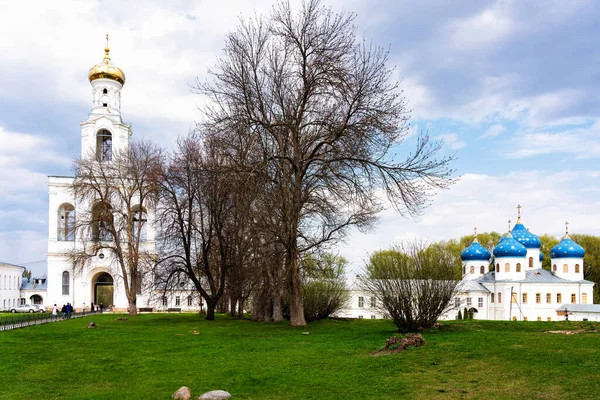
{"x":106,"y":39}
{"x":519,"y":210}
{"x":475,"y":229}
{"x":509,"y":225}
{"x":567,"y":227}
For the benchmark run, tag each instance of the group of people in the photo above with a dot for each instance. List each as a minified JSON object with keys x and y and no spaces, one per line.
{"x":67,"y":309}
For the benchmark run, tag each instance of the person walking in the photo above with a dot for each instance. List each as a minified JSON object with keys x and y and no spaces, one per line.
{"x":63,"y":310}
{"x":83,"y":309}
{"x":92,"y":308}
{"x":69,"y":310}
{"x":55,"y":310}
{"x":101,"y":308}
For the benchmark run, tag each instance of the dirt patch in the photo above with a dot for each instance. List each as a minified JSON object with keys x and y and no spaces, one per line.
{"x":396,"y":344}
{"x":578,"y":331}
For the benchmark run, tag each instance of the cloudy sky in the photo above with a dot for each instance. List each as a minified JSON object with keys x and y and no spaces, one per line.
{"x":512,"y":87}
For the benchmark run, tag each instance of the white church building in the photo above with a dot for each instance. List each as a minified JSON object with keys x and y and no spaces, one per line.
{"x":511,"y":284}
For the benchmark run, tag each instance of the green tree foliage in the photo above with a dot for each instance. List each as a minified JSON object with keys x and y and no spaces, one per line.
{"x":547,"y":243}
{"x":459,"y":315}
{"x":324,"y":285}
{"x":591,"y":260}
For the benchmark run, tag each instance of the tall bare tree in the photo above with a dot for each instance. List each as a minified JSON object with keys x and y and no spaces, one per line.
{"x":319,"y":107}
{"x":115,"y":199}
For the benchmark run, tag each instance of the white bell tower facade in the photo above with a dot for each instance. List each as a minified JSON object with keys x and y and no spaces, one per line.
{"x":103,"y":134}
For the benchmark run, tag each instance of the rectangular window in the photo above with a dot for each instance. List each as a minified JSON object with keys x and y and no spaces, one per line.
{"x":584,"y":298}
{"x":361,"y":302}
{"x":373,"y":302}
{"x":177,"y":300}
{"x":360,"y":317}
{"x":164,"y":300}
{"x":548,"y":298}
{"x":538,"y":298}
{"x":559,"y":298}
{"x":524,"y":298}
{"x":372,"y":317}
{"x":457,"y":302}
{"x":469,"y":302}
{"x":480,"y":302}
{"x":573,"y":298}
{"x":514,"y":297}
{"x":189,"y":300}
{"x":499,"y":297}
{"x":492,"y":297}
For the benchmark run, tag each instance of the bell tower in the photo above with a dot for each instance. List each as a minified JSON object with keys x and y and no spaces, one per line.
{"x":104,"y":132}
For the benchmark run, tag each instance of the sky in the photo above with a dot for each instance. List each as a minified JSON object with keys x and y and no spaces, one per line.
{"x":511,"y":87}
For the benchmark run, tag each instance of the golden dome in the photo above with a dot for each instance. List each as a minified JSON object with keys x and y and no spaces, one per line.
{"x":106,"y":69}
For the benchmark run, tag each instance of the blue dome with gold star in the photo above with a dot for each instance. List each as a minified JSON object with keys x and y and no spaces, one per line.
{"x":567,"y":248}
{"x":526,"y":238}
{"x":509,"y":247}
{"x":475,"y":252}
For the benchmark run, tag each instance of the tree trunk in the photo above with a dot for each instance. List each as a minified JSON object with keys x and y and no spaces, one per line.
{"x":296,"y":304}
{"x":232,"y":304}
{"x":240,"y":309}
{"x":210,"y":310}
{"x":133,"y":307}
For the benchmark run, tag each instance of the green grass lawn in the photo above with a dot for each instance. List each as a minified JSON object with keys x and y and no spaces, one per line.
{"x":151,"y":356}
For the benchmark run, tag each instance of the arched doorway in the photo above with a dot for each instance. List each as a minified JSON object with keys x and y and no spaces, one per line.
{"x":36,"y":299}
{"x":103,"y":286}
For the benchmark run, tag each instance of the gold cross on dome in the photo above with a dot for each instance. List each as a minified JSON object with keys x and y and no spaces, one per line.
{"x":509,"y":221}
{"x":475,"y":230}
{"x":519,"y":211}
{"x":567,"y":227}
{"x":106,"y":39}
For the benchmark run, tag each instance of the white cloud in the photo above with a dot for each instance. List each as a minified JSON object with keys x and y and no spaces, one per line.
{"x":482,"y":31}
{"x":581,"y":143}
{"x":493,"y":131}
{"x":451,"y":141}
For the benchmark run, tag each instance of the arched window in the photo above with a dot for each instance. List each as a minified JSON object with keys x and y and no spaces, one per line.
{"x":472,"y":270}
{"x":104,"y":91}
{"x":65,"y":229}
{"x":518,"y":267}
{"x":65,"y":282}
{"x":530,"y":262}
{"x":565,"y":268}
{"x":138,"y":222}
{"x":577,"y":268}
{"x":102,"y":222}
{"x":554,"y":268}
{"x":498,"y":267}
{"x":104,"y":145}
{"x":482,"y":270}
{"x":507,"y":267}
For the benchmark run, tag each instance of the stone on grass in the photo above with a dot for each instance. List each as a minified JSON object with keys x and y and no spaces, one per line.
{"x":121,"y":319}
{"x":215,"y":395}
{"x":183,"y":393}
{"x":92,"y":325}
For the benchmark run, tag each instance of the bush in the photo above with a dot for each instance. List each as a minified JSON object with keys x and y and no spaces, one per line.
{"x":324,"y":288}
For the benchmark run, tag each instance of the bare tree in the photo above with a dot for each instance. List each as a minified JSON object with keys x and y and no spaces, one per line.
{"x":114,"y":202}
{"x":202,"y":222}
{"x":319,"y":107}
{"x":412,"y":284}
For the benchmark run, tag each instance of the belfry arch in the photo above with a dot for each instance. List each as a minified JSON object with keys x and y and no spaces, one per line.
{"x":103,"y":289}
